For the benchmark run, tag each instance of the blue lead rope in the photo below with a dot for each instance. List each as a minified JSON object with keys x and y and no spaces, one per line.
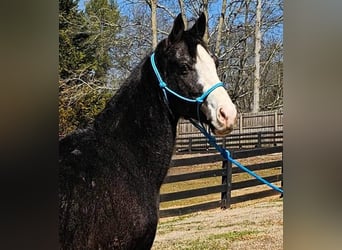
{"x":226,"y":155}
{"x":199,"y":100}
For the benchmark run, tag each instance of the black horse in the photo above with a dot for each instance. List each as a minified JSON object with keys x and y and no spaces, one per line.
{"x":111,"y":172}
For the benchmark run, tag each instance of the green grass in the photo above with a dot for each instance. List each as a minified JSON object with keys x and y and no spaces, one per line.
{"x":234,"y":235}
{"x":167,"y":226}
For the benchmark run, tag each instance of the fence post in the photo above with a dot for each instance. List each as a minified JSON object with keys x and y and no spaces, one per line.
{"x":190,"y":145}
{"x":282,"y":175}
{"x":224,"y":142}
{"x":259,"y":140}
{"x":227,"y":181}
{"x":275,"y":127}
{"x":240,"y":124}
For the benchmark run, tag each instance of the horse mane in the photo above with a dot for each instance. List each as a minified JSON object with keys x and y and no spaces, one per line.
{"x":140,"y":82}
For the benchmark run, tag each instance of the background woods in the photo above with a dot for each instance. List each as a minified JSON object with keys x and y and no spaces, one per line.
{"x":100,"y":41}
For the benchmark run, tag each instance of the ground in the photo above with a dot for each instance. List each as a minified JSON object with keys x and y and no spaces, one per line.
{"x":250,"y":225}
{"x":256,"y":224}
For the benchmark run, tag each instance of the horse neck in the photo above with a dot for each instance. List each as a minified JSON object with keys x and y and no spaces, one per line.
{"x":140,"y":121}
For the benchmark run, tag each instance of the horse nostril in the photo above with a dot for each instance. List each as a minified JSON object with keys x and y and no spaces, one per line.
{"x":222,"y":115}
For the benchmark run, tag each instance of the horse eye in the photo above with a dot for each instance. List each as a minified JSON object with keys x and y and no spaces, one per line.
{"x":184,"y":68}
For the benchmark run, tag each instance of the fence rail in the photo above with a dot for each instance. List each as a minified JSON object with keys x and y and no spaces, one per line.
{"x":233,"y":141}
{"x":225,"y":173}
{"x":246,"y":123}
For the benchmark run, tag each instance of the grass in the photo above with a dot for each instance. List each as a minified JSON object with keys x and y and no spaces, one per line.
{"x":189,"y":185}
{"x":207,"y":182}
{"x":213,"y":241}
{"x":234,"y":235}
{"x":167,"y":226}
{"x":206,"y":231}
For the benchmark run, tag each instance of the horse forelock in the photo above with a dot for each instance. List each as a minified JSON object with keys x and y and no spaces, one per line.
{"x":188,"y":42}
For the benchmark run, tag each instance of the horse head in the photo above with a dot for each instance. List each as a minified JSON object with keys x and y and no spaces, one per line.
{"x":184,"y":63}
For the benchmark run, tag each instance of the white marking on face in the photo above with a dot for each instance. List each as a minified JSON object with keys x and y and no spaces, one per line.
{"x":218,"y":107}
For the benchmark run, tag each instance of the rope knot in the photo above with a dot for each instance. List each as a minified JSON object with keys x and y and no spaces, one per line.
{"x":199,"y":99}
{"x":162,"y":84}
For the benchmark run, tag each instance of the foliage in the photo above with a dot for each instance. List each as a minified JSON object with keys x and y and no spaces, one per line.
{"x":86,"y":41}
{"x":78,"y":105}
{"x":71,"y":38}
{"x":101,"y":18}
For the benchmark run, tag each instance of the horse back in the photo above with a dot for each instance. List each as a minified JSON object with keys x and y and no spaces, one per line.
{"x":103,"y":204}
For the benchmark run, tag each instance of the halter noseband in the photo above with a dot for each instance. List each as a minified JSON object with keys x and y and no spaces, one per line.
{"x":198,"y":100}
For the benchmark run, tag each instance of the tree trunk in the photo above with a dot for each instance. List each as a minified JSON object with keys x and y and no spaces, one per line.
{"x":182,"y":9}
{"x":219,"y":28}
{"x":257,"y":58}
{"x":205,"y":11}
{"x":154,"y":23}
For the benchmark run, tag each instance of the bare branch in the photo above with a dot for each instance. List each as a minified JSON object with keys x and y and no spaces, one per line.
{"x":171,"y":14}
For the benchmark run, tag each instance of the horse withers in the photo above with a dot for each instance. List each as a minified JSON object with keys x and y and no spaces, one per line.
{"x":111,"y":172}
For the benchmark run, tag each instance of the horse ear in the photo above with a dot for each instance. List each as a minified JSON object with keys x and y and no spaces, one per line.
{"x":177,"y":29}
{"x":198,"y":29}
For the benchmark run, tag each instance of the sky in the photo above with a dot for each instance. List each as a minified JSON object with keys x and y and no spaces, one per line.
{"x":81,"y":4}
{"x":214,"y":9}
{"x":278,"y":31}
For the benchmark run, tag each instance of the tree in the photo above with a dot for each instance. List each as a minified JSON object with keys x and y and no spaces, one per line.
{"x":231,"y":35}
{"x":205,"y":10}
{"x":153,"y":6}
{"x":237,"y":53}
{"x":101,"y":47}
{"x":256,"y":86}
{"x":86,"y":43}
{"x":220,"y":27}
{"x":182,"y":10}
{"x":71,"y":38}
{"x":102,"y":18}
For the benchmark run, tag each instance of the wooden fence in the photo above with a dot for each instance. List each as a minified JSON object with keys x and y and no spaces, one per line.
{"x":199,"y":143}
{"x":246,"y":123}
{"x":225,"y":173}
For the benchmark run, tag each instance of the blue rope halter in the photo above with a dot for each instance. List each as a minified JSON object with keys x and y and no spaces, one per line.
{"x":164,"y":87}
{"x":198,"y":124}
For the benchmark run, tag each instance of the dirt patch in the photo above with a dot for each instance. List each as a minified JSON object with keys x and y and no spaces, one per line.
{"x":250,"y":225}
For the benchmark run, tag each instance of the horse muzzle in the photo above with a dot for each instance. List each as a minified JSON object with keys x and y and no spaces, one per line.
{"x":221,"y":113}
